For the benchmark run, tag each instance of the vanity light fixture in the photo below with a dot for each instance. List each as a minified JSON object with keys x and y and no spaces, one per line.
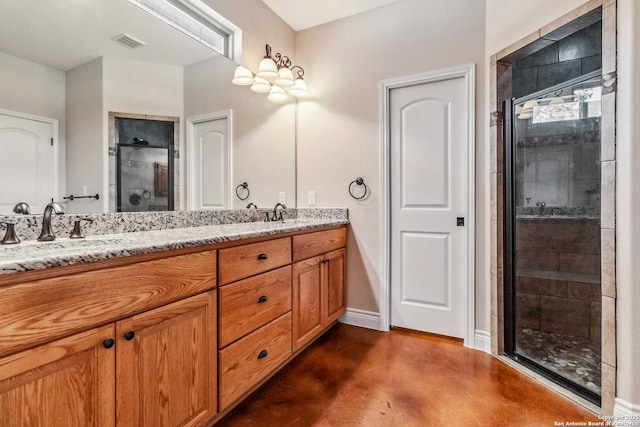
{"x":274,"y":76}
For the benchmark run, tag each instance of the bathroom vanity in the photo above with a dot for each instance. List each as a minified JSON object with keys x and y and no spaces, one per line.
{"x":171,"y":327}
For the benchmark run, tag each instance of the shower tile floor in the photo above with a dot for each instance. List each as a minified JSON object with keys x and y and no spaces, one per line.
{"x":575,"y":358}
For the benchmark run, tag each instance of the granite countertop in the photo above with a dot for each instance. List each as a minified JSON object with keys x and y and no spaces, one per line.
{"x":34,"y":255}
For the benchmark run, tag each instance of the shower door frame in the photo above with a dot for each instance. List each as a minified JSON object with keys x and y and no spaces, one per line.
{"x":509,"y":240}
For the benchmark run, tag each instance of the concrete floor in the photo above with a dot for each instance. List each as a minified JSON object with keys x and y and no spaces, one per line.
{"x":359,"y":377}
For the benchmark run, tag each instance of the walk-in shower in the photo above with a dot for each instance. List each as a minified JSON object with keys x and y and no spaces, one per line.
{"x":552,"y":232}
{"x":145,"y":178}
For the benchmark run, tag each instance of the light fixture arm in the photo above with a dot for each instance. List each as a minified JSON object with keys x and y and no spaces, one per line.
{"x":300,"y":71}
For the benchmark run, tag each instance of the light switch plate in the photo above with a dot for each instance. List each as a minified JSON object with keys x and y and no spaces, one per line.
{"x":282,"y":197}
{"x":311,"y":198}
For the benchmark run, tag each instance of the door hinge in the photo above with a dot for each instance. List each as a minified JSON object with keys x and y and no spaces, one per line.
{"x":460,"y":221}
{"x":52,"y":142}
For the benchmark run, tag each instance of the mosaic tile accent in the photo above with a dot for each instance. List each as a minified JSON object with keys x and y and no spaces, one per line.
{"x":126,"y":234}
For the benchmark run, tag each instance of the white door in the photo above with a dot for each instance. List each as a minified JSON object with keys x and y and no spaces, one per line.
{"x":429,"y":257}
{"x":28,"y":161}
{"x":209,"y":161}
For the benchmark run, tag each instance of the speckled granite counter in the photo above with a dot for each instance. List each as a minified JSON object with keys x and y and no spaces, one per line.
{"x":34,"y":255}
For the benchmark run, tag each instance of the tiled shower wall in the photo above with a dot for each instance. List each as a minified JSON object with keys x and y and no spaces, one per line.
{"x":500,"y":80}
{"x":558,"y":276}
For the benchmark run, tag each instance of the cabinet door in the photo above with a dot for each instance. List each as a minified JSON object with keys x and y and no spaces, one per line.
{"x":166,"y":364}
{"x":66,"y":383}
{"x":307,"y":301}
{"x":334,"y":279}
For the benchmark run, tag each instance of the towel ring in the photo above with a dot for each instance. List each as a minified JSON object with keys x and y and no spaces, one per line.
{"x":359,"y":181}
{"x":246,"y":187}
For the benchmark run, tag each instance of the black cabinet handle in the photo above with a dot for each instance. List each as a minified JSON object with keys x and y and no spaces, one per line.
{"x":262,"y":256}
{"x":263,"y":354}
{"x":108,"y":343}
{"x":262,"y":299}
{"x":129,"y":335}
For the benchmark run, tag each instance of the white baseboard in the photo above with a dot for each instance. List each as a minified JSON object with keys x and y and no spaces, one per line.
{"x":362,"y":318}
{"x":483,"y":341}
{"x":626,"y":413}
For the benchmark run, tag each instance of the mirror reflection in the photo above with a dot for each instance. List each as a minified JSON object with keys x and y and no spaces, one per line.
{"x":66,"y":79}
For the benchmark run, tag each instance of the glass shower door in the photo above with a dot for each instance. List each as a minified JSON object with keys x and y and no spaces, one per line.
{"x":144,"y":181}
{"x":552,"y":220}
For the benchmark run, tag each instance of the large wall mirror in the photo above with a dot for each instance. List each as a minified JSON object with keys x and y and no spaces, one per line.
{"x":62,"y":72}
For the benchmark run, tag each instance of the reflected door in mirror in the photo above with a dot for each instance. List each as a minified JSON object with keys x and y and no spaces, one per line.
{"x":28,"y":161}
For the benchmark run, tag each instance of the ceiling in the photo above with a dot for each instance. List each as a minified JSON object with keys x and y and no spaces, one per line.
{"x":302,"y":14}
{"x":69,"y":33}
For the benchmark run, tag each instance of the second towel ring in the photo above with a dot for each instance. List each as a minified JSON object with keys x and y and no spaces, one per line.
{"x":359,"y":181}
{"x":246,"y":187}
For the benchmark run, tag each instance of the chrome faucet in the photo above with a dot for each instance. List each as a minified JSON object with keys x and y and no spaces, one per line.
{"x":277,"y":215}
{"x":47,"y":233}
{"x":22,"y":208}
{"x":252,"y":205}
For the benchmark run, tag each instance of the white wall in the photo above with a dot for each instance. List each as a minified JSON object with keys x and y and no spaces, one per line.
{"x":84,"y":141}
{"x":628,"y":205}
{"x":32,"y":88}
{"x":339,"y":127}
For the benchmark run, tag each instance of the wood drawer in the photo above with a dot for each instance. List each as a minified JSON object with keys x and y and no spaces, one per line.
{"x":241,"y":364}
{"x":42,"y":310}
{"x":247,"y":260}
{"x":251,"y":303}
{"x":312,"y":244}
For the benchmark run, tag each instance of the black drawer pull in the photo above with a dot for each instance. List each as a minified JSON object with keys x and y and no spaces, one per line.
{"x":129,"y":335}
{"x":108,"y":343}
{"x":262,"y":256}
{"x":262,"y":299}
{"x":263,"y":354}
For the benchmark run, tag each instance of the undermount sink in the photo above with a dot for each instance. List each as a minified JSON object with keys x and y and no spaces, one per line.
{"x":65,"y":243}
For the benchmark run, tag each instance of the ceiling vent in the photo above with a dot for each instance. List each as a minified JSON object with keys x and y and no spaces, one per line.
{"x":128,"y":41}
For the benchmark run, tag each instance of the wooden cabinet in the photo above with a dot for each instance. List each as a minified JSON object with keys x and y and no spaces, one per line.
{"x":156,"y":368}
{"x":251,"y":303}
{"x":166,"y":365}
{"x":247,"y":361}
{"x":65,"y":383}
{"x":73,"y":372}
{"x":243,"y":261}
{"x":167,"y":339}
{"x":255,"y":315}
{"x":318,"y":288}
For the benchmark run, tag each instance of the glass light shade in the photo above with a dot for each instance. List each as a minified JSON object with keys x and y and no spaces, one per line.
{"x":261,"y":85}
{"x":286,"y":77}
{"x":299,"y":89}
{"x":268,"y":69}
{"x":277,"y":94}
{"x":242,"y":76}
